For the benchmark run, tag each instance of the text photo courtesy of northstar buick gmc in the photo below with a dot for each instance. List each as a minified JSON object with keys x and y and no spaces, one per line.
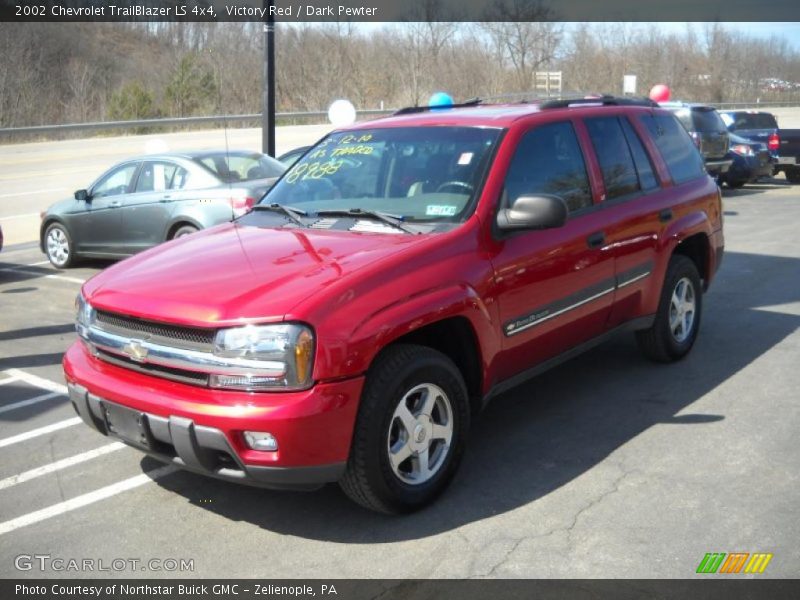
{"x":399,"y":275}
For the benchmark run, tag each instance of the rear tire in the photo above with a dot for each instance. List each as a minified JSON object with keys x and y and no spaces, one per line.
{"x":735,"y":184}
{"x":793,"y":175}
{"x":184,"y":230}
{"x":410,"y":432}
{"x":58,"y":246}
{"x":677,"y":321}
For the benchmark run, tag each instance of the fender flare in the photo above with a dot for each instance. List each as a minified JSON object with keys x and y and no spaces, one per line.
{"x":389,"y":323}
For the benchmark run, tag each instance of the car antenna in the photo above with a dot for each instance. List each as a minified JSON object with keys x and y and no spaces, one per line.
{"x":224,"y":119}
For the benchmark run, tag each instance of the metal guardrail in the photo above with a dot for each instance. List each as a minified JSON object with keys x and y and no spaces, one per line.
{"x":172,"y":122}
{"x":180,"y":121}
{"x":765,"y":104}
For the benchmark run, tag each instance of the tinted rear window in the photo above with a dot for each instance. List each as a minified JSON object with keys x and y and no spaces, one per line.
{"x":743,"y":120}
{"x":614,"y":156}
{"x":681,"y":155}
{"x":647,"y":178}
{"x":707,"y":120}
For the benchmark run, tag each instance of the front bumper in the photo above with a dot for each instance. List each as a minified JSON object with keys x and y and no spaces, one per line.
{"x":200,"y":429}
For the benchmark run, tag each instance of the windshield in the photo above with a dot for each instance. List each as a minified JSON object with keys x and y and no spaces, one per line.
{"x":231,"y":168}
{"x":413,"y":173}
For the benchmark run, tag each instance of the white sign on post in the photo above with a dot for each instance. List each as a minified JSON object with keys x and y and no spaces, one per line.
{"x":629,"y":84}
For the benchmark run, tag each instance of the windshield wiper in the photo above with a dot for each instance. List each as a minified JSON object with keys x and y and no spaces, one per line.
{"x":393,"y":220}
{"x":294,"y":214}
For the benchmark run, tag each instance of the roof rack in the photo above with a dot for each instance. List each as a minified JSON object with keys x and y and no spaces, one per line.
{"x":418,"y":109}
{"x":604,"y":100}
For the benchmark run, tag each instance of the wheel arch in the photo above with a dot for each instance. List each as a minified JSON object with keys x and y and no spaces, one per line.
{"x":697,"y":248}
{"x":456,"y":338}
{"x":179,"y":222}
{"x":47,"y":222}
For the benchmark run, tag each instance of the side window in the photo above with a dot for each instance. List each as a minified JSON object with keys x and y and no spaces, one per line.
{"x":155,"y":177}
{"x":647,"y":178}
{"x":115,"y":183}
{"x":180,"y":179}
{"x":183,"y":179}
{"x":676,"y":147}
{"x":614,"y":156}
{"x":548,"y":160}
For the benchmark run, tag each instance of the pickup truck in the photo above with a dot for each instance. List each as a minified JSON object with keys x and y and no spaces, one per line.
{"x":401,"y":274}
{"x":763,"y":127}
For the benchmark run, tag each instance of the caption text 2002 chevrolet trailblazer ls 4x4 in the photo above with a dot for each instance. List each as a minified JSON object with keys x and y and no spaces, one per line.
{"x":403,"y":272}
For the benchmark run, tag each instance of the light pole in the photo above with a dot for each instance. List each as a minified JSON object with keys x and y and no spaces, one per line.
{"x":268,"y":107}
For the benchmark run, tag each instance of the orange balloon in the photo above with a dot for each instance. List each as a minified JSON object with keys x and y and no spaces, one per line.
{"x":659,"y":93}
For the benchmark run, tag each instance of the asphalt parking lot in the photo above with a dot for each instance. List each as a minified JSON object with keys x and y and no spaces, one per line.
{"x":608,"y":466}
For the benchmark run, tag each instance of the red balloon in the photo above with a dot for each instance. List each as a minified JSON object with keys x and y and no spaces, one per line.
{"x":659,"y":93}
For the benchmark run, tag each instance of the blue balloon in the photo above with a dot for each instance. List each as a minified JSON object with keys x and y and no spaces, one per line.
{"x":440,"y":100}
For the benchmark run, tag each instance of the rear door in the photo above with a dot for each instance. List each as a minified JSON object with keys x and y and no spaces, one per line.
{"x":147,"y":209}
{"x":635,"y":206}
{"x":554,"y":287}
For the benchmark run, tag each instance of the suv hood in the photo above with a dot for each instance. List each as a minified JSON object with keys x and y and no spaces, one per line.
{"x":234,"y":273}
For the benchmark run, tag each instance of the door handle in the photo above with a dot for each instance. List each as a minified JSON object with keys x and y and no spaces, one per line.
{"x":166,"y":199}
{"x":665,"y":215}
{"x":596,"y":239}
{"x":114,"y":204}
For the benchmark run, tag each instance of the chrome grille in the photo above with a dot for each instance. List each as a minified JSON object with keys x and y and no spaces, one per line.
{"x":194,"y":338}
{"x":180,"y":375}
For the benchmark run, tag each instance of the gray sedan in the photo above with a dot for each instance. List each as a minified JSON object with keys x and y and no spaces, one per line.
{"x":144,"y":201}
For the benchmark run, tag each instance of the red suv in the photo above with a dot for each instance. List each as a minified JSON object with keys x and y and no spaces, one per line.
{"x":397,"y":277}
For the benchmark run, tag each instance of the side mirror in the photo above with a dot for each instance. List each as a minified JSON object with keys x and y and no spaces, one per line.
{"x":82,"y":195}
{"x":533,"y":212}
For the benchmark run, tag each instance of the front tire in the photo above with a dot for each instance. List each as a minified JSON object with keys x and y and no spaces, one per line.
{"x":58,"y":246}
{"x":410,"y":432}
{"x":677,"y":321}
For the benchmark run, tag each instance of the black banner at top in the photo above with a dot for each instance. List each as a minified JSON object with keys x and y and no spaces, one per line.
{"x":400,"y":10}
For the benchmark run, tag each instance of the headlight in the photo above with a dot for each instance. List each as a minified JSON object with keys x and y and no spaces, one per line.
{"x":289,"y":345}
{"x":84,"y":315}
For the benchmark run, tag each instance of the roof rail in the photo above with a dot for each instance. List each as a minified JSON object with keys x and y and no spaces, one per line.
{"x":418,"y":109}
{"x":604,"y":100}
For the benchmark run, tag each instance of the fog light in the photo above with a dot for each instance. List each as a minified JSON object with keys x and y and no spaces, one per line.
{"x":261,"y":441}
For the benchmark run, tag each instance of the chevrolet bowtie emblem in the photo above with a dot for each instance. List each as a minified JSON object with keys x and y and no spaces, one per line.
{"x":135,"y":351}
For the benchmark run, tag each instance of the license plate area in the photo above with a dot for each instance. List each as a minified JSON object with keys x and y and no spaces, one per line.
{"x":787,"y":160}
{"x":127,"y":424}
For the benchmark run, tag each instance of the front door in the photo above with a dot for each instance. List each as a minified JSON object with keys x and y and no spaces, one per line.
{"x":554,"y":287}
{"x":99,"y":228}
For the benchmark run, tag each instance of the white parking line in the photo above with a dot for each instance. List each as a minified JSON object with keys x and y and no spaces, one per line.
{"x":39,"y":274}
{"x":85,"y":499}
{"x":15,"y":439}
{"x":37,"y":381}
{"x":8,"y":380}
{"x":29,"y":401}
{"x":25,"y":216}
{"x":30,"y":194}
{"x":60,"y":464}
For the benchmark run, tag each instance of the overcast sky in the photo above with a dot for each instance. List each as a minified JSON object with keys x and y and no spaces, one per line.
{"x":788,"y":31}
